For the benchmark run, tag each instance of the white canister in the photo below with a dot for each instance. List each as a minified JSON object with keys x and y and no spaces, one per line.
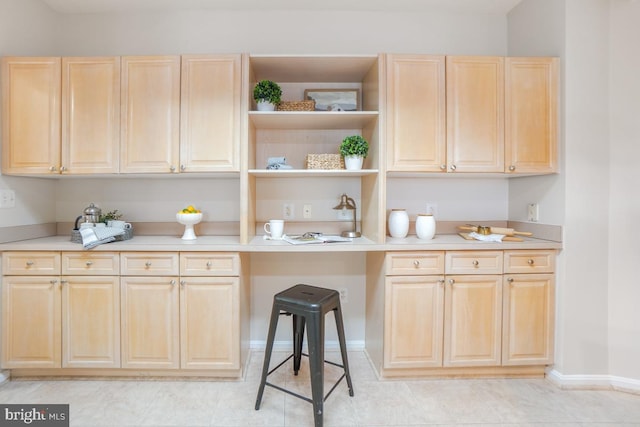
{"x":398,"y":223}
{"x":425,"y":226}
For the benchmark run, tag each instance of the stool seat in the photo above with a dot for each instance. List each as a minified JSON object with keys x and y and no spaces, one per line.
{"x":308,"y":306}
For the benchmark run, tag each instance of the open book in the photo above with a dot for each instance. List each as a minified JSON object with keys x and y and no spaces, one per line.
{"x":309,"y":238}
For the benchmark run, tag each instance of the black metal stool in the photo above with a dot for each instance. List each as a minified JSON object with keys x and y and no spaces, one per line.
{"x":308,"y":305}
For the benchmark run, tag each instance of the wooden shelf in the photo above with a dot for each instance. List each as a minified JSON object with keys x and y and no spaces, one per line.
{"x":268,"y":173}
{"x":312,"y":119}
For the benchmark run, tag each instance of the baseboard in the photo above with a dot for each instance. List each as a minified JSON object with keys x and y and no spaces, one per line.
{"x":287,"y":345}
{"x":589,"y":382}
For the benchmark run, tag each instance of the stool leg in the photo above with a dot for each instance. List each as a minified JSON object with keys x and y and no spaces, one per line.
{"x":298,"y":337}
{"x":343,"y":347}
{"x":275,"y":314}
{"x":315,"y":341}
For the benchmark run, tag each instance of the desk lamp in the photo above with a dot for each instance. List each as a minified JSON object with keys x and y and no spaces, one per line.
{"x":348,"y":203}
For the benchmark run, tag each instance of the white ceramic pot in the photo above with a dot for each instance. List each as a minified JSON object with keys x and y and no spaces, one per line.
{"x":265,"y":106}
{"x":425,"y":226}
{"x":398,"y":223}
{"x":353,"y":163}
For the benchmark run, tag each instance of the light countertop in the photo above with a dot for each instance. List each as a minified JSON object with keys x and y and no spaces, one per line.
{"x":258,"y":244}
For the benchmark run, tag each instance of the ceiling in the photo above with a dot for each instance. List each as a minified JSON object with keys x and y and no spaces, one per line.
{"x":500,"y":7}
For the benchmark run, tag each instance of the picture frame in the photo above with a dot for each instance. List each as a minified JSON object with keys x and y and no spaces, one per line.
{"x":334,"y":99}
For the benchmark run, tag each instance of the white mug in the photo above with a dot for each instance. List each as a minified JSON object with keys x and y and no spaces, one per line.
{"x":274,"y":228}
{"x":118,"y":224}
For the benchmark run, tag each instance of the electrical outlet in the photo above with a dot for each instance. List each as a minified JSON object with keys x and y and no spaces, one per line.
{"x":306,"y":211}
{"x":7,"y":199}
{"x":344,"y":295}
{"x":432,"y":208}
{"x":288,"y":211}
{"x":532,"y":212}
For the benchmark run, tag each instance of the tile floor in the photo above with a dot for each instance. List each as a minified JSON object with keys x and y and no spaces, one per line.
{"x":495,"y":402}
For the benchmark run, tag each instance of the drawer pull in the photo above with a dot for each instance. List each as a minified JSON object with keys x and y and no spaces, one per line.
{"x":475,"y":263}
{"x":89,"y":263}
{"x":209,"y":264}
{"x":530,"y":261}
{"x":29,"y":263}
{"x":416,"y":263}
{"x":147,"y":264}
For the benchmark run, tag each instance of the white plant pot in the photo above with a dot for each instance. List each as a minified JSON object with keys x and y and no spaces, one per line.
{"x":265,"y":106}
{"x":353,"y":163}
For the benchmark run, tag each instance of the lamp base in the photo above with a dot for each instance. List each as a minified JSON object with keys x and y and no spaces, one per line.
{"x":350,"y":234}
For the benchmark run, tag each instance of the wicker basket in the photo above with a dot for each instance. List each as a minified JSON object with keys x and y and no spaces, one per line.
{"x":76,"y":237}
{"x":325,"y":161}
{"x":296,"y":106}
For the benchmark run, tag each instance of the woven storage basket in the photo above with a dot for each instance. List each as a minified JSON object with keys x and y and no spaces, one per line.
{"x":325,"y":161}
{"x":297,"y":106}
{"x":76,"y":237}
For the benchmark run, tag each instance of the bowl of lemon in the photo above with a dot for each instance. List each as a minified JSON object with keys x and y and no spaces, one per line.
{"x":189,"y":217}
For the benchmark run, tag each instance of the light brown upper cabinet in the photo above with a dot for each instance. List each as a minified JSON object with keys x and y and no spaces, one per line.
{"x":30,"y":115}
{"x":416,"y":124}
{"x":150,"y":115}
{"x":90,"y":115}
{"x":475,"y":114}
{"x":531,"y":120}
{"x":210,"y":113}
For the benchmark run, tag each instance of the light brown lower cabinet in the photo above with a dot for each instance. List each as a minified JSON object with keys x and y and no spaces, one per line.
{"x":134,"y":310}
{"x":460,"y":310}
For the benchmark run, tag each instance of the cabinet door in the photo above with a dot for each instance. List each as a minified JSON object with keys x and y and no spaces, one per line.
{"x":475,"y":114}
{"x":210,"y":113}
{"x":472,"y":320}
{"x":149,"y":322}
{"x":416,"y":113}
{"x":413,"y":321}
{"x":209,"y":323}
{"x":30,"y":115}
{"x":31,"y":322}
{"x":150,"y":114}
{"x":90,"y":115}
{"x":531,"y":118}
{"x":90,"y":322}
{"x":528,"y":319}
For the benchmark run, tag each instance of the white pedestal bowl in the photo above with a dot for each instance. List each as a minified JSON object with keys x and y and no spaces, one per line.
{"x":189,"y":220}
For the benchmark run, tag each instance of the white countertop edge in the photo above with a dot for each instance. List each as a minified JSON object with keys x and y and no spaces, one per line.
{"x":258,"y":244}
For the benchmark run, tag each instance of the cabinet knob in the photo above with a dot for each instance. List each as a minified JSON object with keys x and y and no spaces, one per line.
{"x":475,"y":263}
{"x":53,"y":282}
{"x":29,"y":263}
{"x":147,"y":264}
{"x":451,"y":281}
{"x":453,"y":167}
{"x":209,"y":264}
{"x":172,"y":282}
{"x":512,"y":168}
{"x":182,"y":283}
{"x":172,"y":168}
{"x":443,"y":167}
{"x":183,"y":168}
{"x":63,"y":169}
{"x":530,"y":261}
{"x":89,"y":263}
{"x":416,"y":263}
{"x":441,"y":282}
{"x":63,"y":282}
{"x":510,"y":280}
{"x":52,"y":168}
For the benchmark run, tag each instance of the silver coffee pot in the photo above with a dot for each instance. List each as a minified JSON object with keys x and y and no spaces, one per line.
{"x":91,"y":213}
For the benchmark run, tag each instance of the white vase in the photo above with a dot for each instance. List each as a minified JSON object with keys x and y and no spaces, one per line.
{"x":398,"y":223}
{"x":265,"y":106}
{"x":353,"y":163}
{"x":425,"y":226}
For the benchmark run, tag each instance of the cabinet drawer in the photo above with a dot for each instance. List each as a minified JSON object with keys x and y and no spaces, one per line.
{"x":209,"y":264}
{"x":91,"y":263}
{"x":524,"y":261}
{"x":414,"y":263}
{"x":473,"y":262}
{"x":149,"y":264}
{"x":30,"y":263}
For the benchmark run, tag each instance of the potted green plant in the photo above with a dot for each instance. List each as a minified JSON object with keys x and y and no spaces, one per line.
{"x":267,"y":95}
{"x":354,"y":149}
